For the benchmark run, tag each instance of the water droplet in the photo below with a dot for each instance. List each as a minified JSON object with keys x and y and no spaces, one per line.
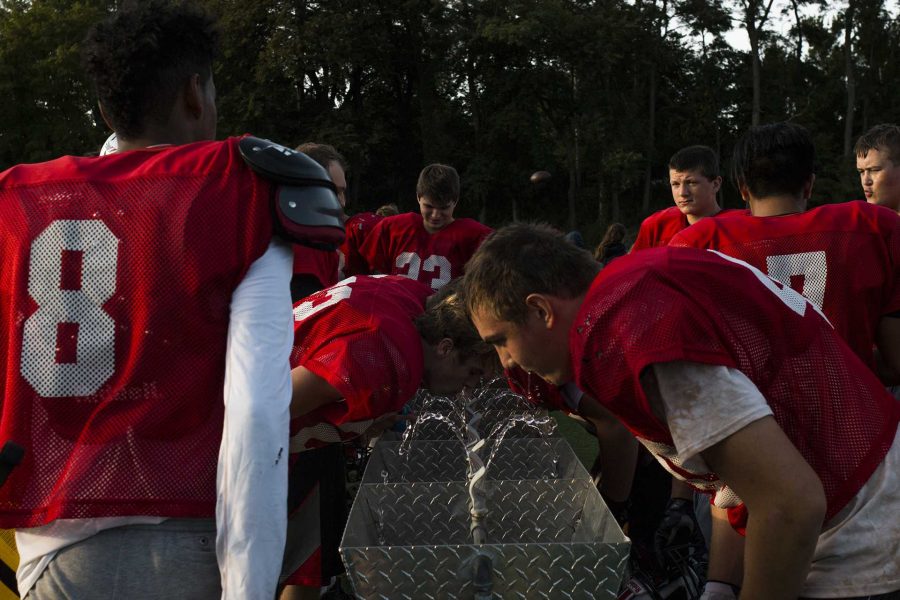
{"x":292,"y":204}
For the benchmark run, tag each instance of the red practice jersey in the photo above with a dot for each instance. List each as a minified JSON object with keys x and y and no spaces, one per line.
{"x":681,"y":304}
{"x":116,"y":282}
{"x":657,"y":229}
{"x":321,"y":264}
{"x":843,"y":257}
{"x":358,"y":336}
{"x":357,"y":227}
{"x":535,"y":389}
{"x":400,"y":245}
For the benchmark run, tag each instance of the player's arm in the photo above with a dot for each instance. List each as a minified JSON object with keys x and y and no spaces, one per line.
{"x":618,"y":449}
{"x":785,"y":502}
{"x":309,"y":392}
{"x":887,"y":340}
{"x":251,"y":481}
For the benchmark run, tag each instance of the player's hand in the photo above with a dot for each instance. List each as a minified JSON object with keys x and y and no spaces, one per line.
{"x":385,"y":421}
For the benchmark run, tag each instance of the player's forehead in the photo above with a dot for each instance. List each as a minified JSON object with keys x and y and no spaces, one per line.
{"x":428,"y":202}
{"x":336,"y":172}
{"x":491,"y":327}
{"x":687,"y":174}
{"x":874,"y":158}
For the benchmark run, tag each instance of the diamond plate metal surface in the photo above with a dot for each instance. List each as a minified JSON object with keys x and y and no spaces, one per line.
{"x":547,"y":538}
{"x":517,"y":458}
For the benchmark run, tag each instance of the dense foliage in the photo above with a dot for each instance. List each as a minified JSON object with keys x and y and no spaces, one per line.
{"x":598,"y":92}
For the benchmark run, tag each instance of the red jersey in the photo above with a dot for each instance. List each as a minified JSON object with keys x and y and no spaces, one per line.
{"x":536,"y":389}
{"x":116,"y":281}
{"x":657,"y":229}
{"x":321,"y":264}
{"x":400,"y":245}
{"x":358,"y":336}
{"x":844,"y":257}
{"x":681,"y":304}
{"x":357,"y":227}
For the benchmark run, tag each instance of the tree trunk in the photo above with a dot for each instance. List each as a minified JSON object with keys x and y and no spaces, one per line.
{"x":651,"y":142}
{"x":851,"y":80}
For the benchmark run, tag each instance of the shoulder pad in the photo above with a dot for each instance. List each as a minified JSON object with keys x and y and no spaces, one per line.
{"x":305,"y":202}
{"x":282,"y":165}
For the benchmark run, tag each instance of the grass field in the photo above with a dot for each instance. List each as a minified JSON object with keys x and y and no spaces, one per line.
{"x":583,"y":443}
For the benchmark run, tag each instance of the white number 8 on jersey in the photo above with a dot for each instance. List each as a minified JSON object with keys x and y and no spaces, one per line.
{"x":95,"y":354}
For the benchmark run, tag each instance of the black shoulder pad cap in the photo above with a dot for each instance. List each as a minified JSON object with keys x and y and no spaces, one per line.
{"x":305,"y":203}
{"x":282,"y":165}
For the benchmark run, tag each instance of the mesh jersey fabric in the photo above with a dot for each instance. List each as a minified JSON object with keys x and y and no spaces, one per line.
{"x":670,"y":304}
{"x":843,"y":257}
{"x":358,"y":336}
{"x":117,"y":277}
{"x":357,"y":228}
{"x":321,"y":264}
{"x":660,"y":227}
{"x":535,"y":389}
{"x":400,"y":245}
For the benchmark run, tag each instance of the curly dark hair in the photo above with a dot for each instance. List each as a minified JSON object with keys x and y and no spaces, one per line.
{"x":140,"y":57}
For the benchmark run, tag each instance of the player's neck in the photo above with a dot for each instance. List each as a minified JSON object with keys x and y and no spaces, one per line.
{"x":776,"y":206}
{"x":170,"y":135}
{"x":431,"y":230}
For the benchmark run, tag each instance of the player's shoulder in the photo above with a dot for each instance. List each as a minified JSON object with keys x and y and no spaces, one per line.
{"x":664,"y":215}
{"x":702,"y":233}
{"x":468,"y":228}
{"x":407,"y":219}
{"x":363,"y":221}
{"x":855,"y":215}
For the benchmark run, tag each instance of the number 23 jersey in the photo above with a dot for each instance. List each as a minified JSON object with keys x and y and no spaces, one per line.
{"x":844,"y":257}
{"x":400,"y":245}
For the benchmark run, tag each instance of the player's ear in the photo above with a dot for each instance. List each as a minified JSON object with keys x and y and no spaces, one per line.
{"x":808,"y":186}
{"x":542,"y":308}
{"x":717,"y":183}
{"x":745,"y":192}
{"x":105,"y":118}
{"x":193,"y":96}
{"x":444,"y":347}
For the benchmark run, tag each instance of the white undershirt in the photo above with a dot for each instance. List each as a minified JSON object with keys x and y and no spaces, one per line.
{"x":858,"y":551}
{"x":251,"y":518}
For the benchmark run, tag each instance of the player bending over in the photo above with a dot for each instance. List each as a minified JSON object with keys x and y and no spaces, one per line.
{"x":362,"y":349}
{"x":735,"y":383}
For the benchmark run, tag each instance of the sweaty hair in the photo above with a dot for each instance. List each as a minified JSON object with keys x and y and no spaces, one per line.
{"x":778,"y":158}
{"x":884,"y":138}
{"x":323,"y":154}
{"x":696,"y":158}
{"x":439,"y":183}
{"x":140,"y":58}
{"x":523,"y":259}
{"x":445,"y":317}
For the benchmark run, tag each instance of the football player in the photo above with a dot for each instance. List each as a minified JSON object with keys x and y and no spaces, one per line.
{"x":844,"y":257}
{"x":736,"y":383}
{"x":430,"y":246}
{"x":362,"y":349}
{"x":695,"y":181}
{"x":316,"y":268}
{"x":878,"y":164}
{"x":144,"y":322}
